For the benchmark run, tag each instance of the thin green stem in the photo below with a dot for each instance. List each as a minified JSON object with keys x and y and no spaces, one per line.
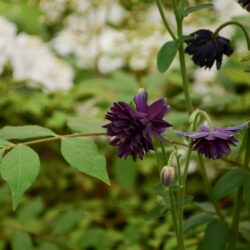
{"x":238,"y":199}
{"x":174,"y":215}
{"x":182,"y":60}
{"x":181,"y":216}
{"x":165,"y":20}
{"x":170,"y":158}
{"x":188,"y":158}
{"x":164,"y":155}
{"x":208,"y":187}
{"x":237,"y":24}
{"x":54,"y":138}
{"x":206,"y":117}
{"x":172,"y":198}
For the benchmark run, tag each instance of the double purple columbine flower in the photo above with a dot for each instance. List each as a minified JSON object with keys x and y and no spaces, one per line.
{"x":213,"y":145}
{"x":206,"y":48}
{"x":132,"y":129}
{"x":245,"y":4}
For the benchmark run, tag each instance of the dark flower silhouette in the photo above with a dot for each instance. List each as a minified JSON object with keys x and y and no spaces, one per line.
{"x":245,"y":4}
{"x":132,"y":129}
{"x":213,"y":145}
{"x":206,"y":48}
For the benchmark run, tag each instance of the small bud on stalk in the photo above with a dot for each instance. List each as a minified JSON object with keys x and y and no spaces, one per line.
{"x":167,"y":175}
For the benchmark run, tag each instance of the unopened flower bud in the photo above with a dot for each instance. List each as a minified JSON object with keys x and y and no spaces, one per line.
{"x":167,"y":175}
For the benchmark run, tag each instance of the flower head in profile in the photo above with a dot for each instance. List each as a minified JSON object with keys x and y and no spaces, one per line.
{"x":206,"y":48}
{"x":213,"y":145}
{"x":132,"y":129}
{"x":245,"y":4}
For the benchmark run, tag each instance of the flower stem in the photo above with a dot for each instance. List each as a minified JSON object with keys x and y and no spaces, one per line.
{"x":54,"y":138}
{"x":165,"y":20}
{"x":182,"y":60}
{"x":206,"y":117}
{"x":171,"y":198}
{"x":181,"y":194}
{"x":174,"y":216}
{"x":237,"y":24}
{"x":208,"y":187}
{"x":164,"y":155}
{"x":238,"y":199}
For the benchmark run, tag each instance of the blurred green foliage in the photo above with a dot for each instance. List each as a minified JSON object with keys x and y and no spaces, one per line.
{"x":65,"y":209}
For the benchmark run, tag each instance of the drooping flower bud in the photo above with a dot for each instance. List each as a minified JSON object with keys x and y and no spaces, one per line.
{"x":167,"y":175}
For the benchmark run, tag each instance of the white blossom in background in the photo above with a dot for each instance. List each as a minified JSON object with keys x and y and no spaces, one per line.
{"x":53,"y":8}
{"x":228,"y":9}
{"x":202,"y":79}
{"x":32,"y":60}
{"x":7,"y":38}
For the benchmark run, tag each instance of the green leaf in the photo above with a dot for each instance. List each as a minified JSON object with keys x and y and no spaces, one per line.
{"x":192,"y":9}
{"x":230,"y":181}
{"x":26,"y":16}
{"x":247,"y":193}
{"x":197,"y":220}
{"x":157,"y":212}
{"x":1,"y":154}
{"x":25,"y":132}
{"x":215,"y":237}
{"x":83,"y":155}
{"x":166,"y":55}
{"x":4,"y":142}
{"x":66,"y":222}
{"x":125,"y":172}
{"x":86,"y":126}
{"x":21,"y":239}
{"x":19,"y":168}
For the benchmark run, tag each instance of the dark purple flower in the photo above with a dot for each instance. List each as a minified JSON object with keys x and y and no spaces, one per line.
{"x":132,"y":129}
{"x":245,"y":4}
{"x":206,"y":48}
{"x":213,"y":145}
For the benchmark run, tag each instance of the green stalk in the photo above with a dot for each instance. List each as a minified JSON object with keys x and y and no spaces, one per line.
{"x":165,"y":20}
{"x":238,"y":199}
{"x":237,"y":24}
{"x":171,"y":197}
{"x":208,"y":187}
{"x":181,"y":194}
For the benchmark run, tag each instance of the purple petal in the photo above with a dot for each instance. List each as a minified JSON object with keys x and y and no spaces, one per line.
{"x":158,"y":109}
{"x":204,"y":128}
{"x":141,"y":102}
{"x":194,"y":135}
{"x":209,"y":137}
{"x":236,"y":128}
{"x":223,"y":134}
